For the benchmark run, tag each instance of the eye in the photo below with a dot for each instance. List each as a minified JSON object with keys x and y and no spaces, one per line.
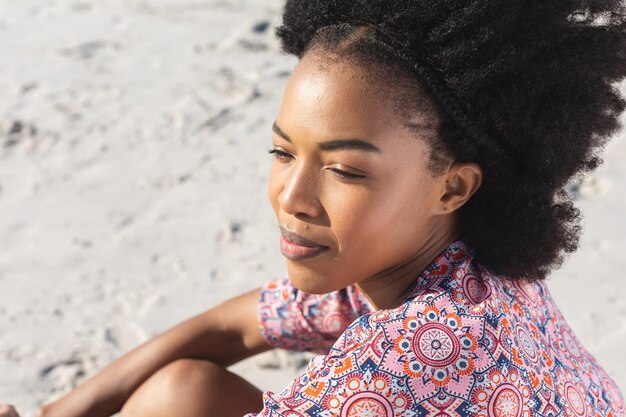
{"x":345,"y":174}
{"x":280,"y":155}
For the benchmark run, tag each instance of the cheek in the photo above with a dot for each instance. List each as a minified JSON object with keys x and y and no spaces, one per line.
{"x":357,"y":212}
{"x":389,"y":215}
{"x":274,"y":185}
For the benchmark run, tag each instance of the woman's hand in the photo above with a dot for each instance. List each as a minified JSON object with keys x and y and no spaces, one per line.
{"x":8,"y":411}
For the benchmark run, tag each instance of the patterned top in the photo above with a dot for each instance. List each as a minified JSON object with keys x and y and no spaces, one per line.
{"x":464,"y":343}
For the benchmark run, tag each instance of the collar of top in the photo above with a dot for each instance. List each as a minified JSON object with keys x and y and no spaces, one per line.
{"x":453,"y":263}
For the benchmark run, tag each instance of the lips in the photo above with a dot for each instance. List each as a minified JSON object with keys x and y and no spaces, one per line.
{"x":296,"y":247}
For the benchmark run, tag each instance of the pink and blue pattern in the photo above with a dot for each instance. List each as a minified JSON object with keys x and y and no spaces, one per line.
{"x":464,"y":343}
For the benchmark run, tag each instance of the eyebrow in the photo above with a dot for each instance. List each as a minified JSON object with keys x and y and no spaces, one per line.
{"x":335,"y":144}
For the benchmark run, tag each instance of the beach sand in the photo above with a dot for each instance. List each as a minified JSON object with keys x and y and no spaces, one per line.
{"x":133,"y":169}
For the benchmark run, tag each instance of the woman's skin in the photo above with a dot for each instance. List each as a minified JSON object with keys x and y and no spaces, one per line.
{"x":181,"y":372}
{"x":7,"y":411}
{"x":375,"y":210}
{"x":382,"y":228}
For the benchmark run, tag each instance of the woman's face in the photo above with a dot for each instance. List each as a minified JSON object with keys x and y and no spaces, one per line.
{"x":350,"y":180}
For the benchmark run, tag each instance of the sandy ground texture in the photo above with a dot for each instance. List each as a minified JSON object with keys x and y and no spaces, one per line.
{"x":133,"y":164}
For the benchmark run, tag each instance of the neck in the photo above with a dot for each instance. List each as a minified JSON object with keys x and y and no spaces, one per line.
{"x":389,"y":288}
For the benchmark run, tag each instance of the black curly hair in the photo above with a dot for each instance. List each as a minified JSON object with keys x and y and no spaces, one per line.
{"x":525,"y":89}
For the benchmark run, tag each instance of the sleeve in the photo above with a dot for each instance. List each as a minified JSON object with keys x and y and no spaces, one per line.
{"x":421,"y":359}
{"x":294,"y":320}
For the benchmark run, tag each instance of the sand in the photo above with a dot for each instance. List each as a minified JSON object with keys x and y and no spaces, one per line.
{"x":133,"y":169}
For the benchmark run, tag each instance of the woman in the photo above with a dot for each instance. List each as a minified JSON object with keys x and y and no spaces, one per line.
{"x":422,"y":154}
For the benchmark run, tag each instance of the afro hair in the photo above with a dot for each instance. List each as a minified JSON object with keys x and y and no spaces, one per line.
{"x":528,"y":90}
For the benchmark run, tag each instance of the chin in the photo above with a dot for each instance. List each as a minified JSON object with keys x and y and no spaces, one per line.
{"x":309,"y":281}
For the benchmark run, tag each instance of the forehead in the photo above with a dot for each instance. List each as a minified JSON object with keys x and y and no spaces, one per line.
{"x":331,"y":97}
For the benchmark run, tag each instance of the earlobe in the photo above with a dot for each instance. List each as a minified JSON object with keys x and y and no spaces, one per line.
{"x":462,"y":181}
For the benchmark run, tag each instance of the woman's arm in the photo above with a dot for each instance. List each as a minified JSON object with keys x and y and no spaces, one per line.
{"x":223,"y":335}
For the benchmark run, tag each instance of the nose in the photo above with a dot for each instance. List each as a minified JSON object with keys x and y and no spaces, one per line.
{"x":299,"y":195}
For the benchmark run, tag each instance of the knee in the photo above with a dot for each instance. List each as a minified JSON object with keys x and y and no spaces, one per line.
{"x":161,"y":394}
{"x":188,"y":373}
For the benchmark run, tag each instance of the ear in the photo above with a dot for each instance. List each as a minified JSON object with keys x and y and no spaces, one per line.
{"x":460,"y":183}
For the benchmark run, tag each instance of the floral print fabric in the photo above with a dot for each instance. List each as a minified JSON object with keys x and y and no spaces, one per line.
{"x":464,"y":343}
{"x":294,"y":320}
